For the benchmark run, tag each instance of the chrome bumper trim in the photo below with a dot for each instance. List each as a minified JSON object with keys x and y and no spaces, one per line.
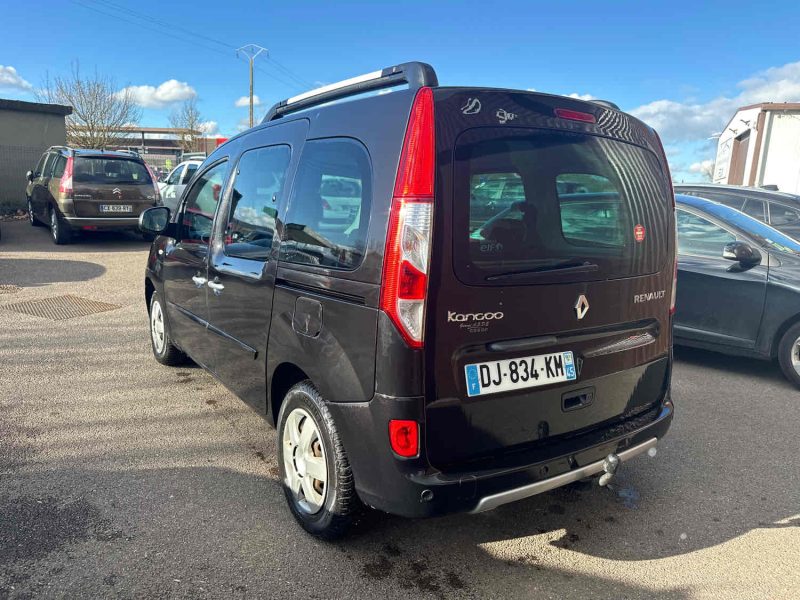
{"x":126,"y":219}
{"x":495,"y":500}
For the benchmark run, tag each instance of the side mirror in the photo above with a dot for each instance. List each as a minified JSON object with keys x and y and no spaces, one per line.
{"x":743,"y":253}
{"x":29,"y":176}
{"x":154,"y":220}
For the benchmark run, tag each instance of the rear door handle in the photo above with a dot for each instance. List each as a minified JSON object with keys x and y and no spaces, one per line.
{"x":216,"y":286}
{"x":199,"y":281}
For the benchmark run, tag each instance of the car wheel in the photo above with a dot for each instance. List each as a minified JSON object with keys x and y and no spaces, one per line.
{"x":789,"y":354}
{"x":314,"y":469}
{"x":59,"y":230}
{"x":163,"y":349}
{"x":31,"y":217}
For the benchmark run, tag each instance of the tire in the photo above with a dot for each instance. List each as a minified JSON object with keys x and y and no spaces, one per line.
{"x":789,"y":354}
{"x":164,"y":350}
{"x":59,"y":230}
{"x":32,"y":217}
{"x":332,"y":506}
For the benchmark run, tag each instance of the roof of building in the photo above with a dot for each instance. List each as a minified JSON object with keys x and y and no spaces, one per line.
{"x":772,"y":106}
{"x":39,"y":107}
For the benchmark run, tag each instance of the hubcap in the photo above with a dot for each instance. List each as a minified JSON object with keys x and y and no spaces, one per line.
{"x":304,"y":461}
{"x":796,"y":355}
{"x":30,"y":211}
{"x":54,"y":224}
{"x":157,"y":327}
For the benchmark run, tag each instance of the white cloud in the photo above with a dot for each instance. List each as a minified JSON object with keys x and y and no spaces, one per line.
{"x":209,"y":127}
{"x":703,"y":167}
{"x":683,"y":121}
{"x":169,"y":92}
{"x":581,"y":96}
{"x":245,"y":101}
{"x":10,"y":79}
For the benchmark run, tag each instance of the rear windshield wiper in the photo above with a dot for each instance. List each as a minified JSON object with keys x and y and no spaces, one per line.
{"x":562,"y":267}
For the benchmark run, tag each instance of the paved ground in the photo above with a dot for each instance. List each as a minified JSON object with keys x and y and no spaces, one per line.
{"x":123,"y":478}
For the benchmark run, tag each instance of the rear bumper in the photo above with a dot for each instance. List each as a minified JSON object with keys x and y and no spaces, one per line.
{"x":103,"y":222}
{"x":412,"y":488}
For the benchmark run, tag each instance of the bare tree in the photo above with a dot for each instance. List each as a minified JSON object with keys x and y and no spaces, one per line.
{"x":100,"y":113}
{"x":188,"y":121}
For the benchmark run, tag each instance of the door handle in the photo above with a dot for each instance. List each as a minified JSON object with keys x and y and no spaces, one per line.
{"x":216,"y":286}
{"x":199,"y":281}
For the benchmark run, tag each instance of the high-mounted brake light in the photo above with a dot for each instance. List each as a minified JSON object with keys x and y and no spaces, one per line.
{"x":575,"y":115}
{"x":404,"y":437}
{"x":408,"y":240}
{"x":66,"y":178}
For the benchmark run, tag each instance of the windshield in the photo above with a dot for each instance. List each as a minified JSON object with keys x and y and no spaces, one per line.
{"x":538,"y":206}
{"x":112,"y":171}
{"x":764,"y":234}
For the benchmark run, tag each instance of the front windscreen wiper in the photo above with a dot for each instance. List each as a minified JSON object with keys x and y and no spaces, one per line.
{"x":559,"y":268}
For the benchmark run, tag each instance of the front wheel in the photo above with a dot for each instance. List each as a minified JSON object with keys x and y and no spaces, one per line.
{"x":163,"y":349}
{"x":789,"y":354}
{"x":31,"y":216}
{"x":314,"y":469}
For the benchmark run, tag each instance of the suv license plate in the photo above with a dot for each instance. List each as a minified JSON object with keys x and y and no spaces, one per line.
{"x":519,"y":373}
{"x":116,"y":208}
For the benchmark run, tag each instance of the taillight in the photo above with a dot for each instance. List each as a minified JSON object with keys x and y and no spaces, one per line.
{"x":404,"y":438}
{"x":66,"y":178}
{"x":575,"y":115}
{"x":675,"y":221}
{"x":154,"y":179}
{"x":408,"y":240}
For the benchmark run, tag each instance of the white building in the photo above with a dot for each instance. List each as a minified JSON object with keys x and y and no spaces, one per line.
{"x":761,"y":146}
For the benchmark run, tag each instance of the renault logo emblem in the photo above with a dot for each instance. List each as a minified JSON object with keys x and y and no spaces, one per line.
{"x":581,"y":306}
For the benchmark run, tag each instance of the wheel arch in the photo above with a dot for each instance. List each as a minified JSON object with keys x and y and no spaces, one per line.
{"x":780,"y":332}
{"x":281,"y":381}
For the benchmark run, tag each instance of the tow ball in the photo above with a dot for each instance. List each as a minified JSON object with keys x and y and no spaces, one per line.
{"x":610,"y":465}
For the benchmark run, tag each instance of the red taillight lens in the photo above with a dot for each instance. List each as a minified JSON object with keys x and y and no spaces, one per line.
{"x":154,"y":179}
{"x":404,"y":438}
{"x":575,"y":115}
{"x":66,"y":178}
{"x":674,"y":295}
{"x":408,"y":240}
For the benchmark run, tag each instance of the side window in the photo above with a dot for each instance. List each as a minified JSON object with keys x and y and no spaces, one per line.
{"x":175,"y":177}
{"x":47,"y":169}
{"x":700,"y":237}
{"x":60,"y":164}
{"x":754,"y":208}
{"x":260,"y":178}
{"x":187,"y":174}
{"x":780,"y":214}
{"x":37,"y":171}
{"x":329,"y":210}
{"x":201,"y":204}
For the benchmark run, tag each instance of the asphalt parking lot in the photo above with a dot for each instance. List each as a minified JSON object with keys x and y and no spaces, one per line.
{"x":123,"y":478}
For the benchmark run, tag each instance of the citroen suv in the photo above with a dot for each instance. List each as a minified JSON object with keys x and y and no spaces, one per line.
{"x":484,"y":313}
{"x":73,"y":190}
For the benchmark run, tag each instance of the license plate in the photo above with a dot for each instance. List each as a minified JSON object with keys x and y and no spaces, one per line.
{"x":519,"y":373}
{"x":116,"y":208}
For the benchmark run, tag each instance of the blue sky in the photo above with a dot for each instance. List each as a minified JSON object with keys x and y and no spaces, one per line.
{"x":681,"y":66}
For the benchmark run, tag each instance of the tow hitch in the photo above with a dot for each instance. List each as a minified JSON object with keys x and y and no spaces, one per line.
{"x":612,"y":462}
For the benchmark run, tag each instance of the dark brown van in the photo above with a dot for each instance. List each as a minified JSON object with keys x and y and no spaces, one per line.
{"x":73,"y":190}
{"x":444,"y":298}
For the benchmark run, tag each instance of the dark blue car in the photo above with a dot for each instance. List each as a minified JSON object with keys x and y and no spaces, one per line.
{"x":738,"y":285}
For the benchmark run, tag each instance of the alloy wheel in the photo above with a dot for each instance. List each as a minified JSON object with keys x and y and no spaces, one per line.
{"x":304,"y":461}
{"x":796,"y":355}
{"x":30,"y":212}
{"x":157,"y":327}
{"x":54,"y":224}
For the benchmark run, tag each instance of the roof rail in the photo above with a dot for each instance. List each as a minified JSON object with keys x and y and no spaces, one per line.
{"x":606,"y":103}
{"x":415,"y":74}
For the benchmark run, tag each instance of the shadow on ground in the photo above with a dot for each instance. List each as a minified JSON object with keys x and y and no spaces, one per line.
{"x":19,"y":236}
{"x":34,"y":272}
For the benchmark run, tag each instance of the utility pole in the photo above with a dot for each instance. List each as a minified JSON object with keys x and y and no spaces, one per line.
{"x":251,"y":52}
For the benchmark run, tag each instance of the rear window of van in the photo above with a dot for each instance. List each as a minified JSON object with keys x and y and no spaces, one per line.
{"x":538,"y":206}
{"x":111,"y":171}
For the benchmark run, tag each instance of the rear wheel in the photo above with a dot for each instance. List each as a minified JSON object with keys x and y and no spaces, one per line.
{"x":59,"y":230}
{"x":315,"y":472}
{"x":163,"y":349}
{"x":789,"y":354}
